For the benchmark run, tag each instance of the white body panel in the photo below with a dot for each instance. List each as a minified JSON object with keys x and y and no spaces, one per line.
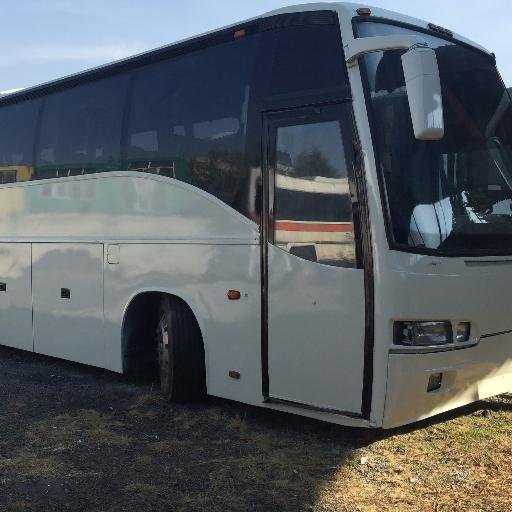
{"x":201,"y":275}
{"x":117,"y":206}
{"x":463,"y":289}
{"x":468,"y":375}
{"x":315,"y":333}
{"x":69,"y":328}
{"x":159,"y":235}
{"x":478,"y":291}
{"x":16,"y":300}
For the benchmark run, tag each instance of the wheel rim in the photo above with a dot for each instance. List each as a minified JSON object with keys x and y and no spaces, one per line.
{"x":163,"y":353}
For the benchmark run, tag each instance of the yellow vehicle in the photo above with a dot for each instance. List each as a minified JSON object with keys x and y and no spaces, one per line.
{"x":15,"y":173}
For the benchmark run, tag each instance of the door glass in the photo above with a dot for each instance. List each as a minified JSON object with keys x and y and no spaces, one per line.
{"x":313,"y":208}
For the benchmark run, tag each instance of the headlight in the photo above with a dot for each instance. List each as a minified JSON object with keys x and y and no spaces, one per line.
{"x":423,"y":334}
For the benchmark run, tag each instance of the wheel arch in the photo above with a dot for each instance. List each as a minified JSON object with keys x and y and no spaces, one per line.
{"x":147,"y":300}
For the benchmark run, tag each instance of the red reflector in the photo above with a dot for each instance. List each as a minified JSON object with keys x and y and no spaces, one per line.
{"x":234,"y":295}
{"x":234,"y":374}
{"x":239,"y":34}
{"x":364,"y":11}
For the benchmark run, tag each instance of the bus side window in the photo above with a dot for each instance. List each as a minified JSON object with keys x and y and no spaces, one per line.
{"x":17,"y":132}
{"x":81,"y":129}
{"x":313,"y":208}
{"x":188,"y":118}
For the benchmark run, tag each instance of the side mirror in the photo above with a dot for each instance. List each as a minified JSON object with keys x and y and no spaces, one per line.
{"x":424,"y":92}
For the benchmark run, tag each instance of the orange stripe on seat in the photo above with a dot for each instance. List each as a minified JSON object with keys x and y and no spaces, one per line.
{"x":314,"y":227}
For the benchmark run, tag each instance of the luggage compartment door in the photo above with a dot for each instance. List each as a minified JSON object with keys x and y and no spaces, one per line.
{"x":68,"y":301}
{"x":16,"y":296}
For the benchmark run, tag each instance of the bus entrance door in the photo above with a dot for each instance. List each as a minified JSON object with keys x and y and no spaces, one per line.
{"x":313,"y":352}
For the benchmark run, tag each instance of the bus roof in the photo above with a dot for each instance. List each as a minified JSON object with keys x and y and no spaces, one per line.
{"x":345,"y":10}
{"x":349,"y":10}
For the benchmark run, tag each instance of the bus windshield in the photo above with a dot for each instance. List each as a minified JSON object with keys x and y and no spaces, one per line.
{"x":452,"y":196}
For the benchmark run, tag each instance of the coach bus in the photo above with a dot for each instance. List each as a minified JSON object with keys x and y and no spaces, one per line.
{"x":309,"y":211}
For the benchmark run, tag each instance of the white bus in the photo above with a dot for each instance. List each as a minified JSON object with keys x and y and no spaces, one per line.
{"x":309,"y":211}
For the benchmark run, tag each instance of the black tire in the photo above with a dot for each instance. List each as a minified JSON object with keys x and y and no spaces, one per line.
{"x":180,"y":352}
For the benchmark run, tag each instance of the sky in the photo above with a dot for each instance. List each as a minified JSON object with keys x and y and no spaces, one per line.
{"x":41,"y":40}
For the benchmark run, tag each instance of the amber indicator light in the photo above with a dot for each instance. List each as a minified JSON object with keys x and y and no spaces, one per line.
{"x":234,"y":295}
{"x":364,"y":11}
{"x":239,"y":34}
{"x":233,"y":374}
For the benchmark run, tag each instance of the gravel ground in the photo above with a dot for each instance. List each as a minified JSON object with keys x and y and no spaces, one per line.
{"x":77,"y":438}
{"x":81,"y":439}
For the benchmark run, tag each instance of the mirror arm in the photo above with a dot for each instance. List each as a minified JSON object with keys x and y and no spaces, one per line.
{"x":364,"y":45}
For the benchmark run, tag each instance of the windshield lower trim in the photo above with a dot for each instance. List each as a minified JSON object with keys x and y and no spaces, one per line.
{"x":475,"y":253}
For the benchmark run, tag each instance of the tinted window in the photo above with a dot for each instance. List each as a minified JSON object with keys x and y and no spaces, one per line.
{"x":17,"y":130}
{"x":189,"y":115}
{"x":308,"y":58}
{"x":313,"y":208}
{"x":188,"y":118}
{"x":452,"y":196}
{"x":81,"y":129}
{"x":195,"y":117}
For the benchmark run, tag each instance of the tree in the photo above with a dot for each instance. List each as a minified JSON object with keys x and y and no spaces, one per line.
{"x":313,"y":163}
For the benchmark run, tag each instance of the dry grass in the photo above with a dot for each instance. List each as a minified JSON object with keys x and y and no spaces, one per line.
{"x":463,"y":463}
{"x":66,"y":431}
{"x":460,"y":464}
{"x":46,"y":441}
{"x":141,"y":489}
{"x":15,"y":406}
{"x":19,"y":506}
{"x":146,"y":406}
{"x":227,"y":459}
{"x":29,"y":464}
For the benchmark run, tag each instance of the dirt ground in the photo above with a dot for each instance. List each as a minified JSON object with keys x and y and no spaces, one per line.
{"x":80,"y":439}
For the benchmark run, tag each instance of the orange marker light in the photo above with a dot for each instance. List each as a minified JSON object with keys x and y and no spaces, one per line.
{"x":234,"y":295}
{"x":364,"y":11}
{"x":239,"y":34}
{"x":233,"y":374}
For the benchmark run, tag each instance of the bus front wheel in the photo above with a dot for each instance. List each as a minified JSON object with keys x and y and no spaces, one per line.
{"x":181,"y":359}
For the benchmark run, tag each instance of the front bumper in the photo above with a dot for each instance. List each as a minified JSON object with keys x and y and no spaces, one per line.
{"x":469,"y":375}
